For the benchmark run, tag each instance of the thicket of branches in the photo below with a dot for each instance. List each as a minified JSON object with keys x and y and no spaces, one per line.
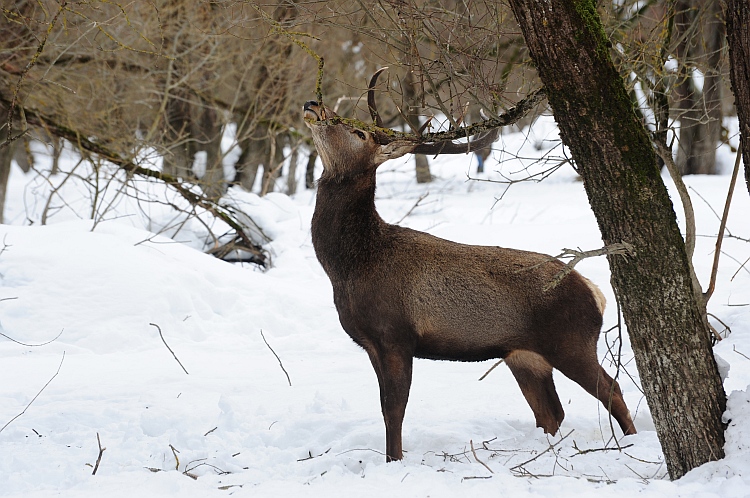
{"x":145,"y":91}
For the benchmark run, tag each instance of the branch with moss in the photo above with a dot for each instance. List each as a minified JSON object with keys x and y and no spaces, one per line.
{"x":513,"y":115}
{"x":36,"y":118}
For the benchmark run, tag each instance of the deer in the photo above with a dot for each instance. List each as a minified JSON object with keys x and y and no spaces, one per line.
{"x":402,"y":294}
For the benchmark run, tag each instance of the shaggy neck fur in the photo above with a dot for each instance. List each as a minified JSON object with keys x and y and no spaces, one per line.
{"x":346,"y":228}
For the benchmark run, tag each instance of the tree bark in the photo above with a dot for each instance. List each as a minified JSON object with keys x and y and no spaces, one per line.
{"x":663,"y":311}
{"x":737,"y":15}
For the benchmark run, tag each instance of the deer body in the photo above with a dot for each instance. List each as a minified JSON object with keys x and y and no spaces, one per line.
{"x":402,"y":293}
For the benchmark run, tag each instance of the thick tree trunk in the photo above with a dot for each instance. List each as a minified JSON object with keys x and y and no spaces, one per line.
{"x":737,"y":14}
{"x":662,"y":309}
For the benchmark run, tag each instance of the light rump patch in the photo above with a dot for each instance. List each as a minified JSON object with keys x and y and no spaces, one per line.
{"x":601,"y":301}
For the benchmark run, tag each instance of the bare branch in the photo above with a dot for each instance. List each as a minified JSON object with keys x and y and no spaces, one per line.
{"x":623,"y":248}
{"x":722,"y":226}
{"x":176,"y":459}
{"x":167,"y":345}
{"x":101,"y":452}
{"x":473,"y":451}
{"x":687,"y":205}
{"x":37,"y":395}
{"x":277,"y":357}
{"x":411,"y":210}
{"x":32,"y":345}
{"x":549,"y":448}
{"x":491,"y":369}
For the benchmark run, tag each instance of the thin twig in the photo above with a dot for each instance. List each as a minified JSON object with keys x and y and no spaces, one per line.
{"x":473,"y":451}
{"x":99,"y":458}
{"x":37,"y":395}
{"x":666,"y":155}
{"x":5,"y":245}
{"x":33,"y":345}
{"x":310,"y":456}
{"x":277,"y":357}
{"x":416,"y":204}
{"x":726,"y":327}
{"x":167,"y":345}
{"x":722,"y":226}
{"x":592,"y":450}
{"x":740,"y":268}
{"x":491,"y":369}
{"x":734,"y":348}
{"x":176,"y":459}
{"x":622,"y":248}
{"x":551,"y":447}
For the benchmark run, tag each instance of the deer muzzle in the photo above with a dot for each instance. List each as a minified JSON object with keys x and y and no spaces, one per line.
{"x":313,"y":111}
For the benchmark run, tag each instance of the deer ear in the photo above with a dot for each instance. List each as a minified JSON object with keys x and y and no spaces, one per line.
{"x":394,"y":150}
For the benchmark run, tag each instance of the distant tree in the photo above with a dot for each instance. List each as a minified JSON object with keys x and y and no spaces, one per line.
{"x":737,"y":14}
{"x":670,"y":54}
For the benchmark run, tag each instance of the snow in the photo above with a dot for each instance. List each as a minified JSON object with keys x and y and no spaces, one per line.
{"x":89,"y":298}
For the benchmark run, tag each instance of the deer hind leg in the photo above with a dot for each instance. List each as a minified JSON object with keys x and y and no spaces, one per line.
{"x":534,"y":376}
{"x":589,"y":374}
{"x":394,"y":369}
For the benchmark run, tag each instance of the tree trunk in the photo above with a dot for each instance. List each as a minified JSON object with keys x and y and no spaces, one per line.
{"x":206,"y":132}
{"x":15,"y":149}
{"x":310,"y":170}
{"x":421,"y":163}
{"x":291,"y":175}
{"x":737,"y":14}
{"x":699,"y":25}
{"x":6,"y":155}
{"x":663,"y":311}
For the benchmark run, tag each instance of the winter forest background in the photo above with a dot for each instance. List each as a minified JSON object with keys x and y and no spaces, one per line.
{"x":166,"y":327}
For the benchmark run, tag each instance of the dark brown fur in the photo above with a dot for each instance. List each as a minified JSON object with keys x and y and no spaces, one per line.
{"x":402,"y":294}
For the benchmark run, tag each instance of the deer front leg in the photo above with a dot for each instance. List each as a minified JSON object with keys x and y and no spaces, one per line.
{"x":393,"y":369}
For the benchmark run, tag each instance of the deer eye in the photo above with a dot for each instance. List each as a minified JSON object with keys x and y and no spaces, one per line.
{"x":360,"y":134}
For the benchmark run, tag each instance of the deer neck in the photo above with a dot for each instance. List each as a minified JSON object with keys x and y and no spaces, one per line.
{"x":346,"y":228}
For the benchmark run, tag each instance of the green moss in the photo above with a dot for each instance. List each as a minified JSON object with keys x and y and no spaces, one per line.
{"x":592,"y":26}
{"x":614,"y":103}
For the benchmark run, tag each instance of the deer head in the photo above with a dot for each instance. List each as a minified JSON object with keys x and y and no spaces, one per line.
{"x":347,"y":146}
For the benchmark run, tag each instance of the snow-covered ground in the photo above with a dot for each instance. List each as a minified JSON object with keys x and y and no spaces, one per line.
{"x":89,"y":307}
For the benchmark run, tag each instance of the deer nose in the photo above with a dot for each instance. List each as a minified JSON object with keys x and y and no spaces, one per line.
{"x":311,"y":108}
